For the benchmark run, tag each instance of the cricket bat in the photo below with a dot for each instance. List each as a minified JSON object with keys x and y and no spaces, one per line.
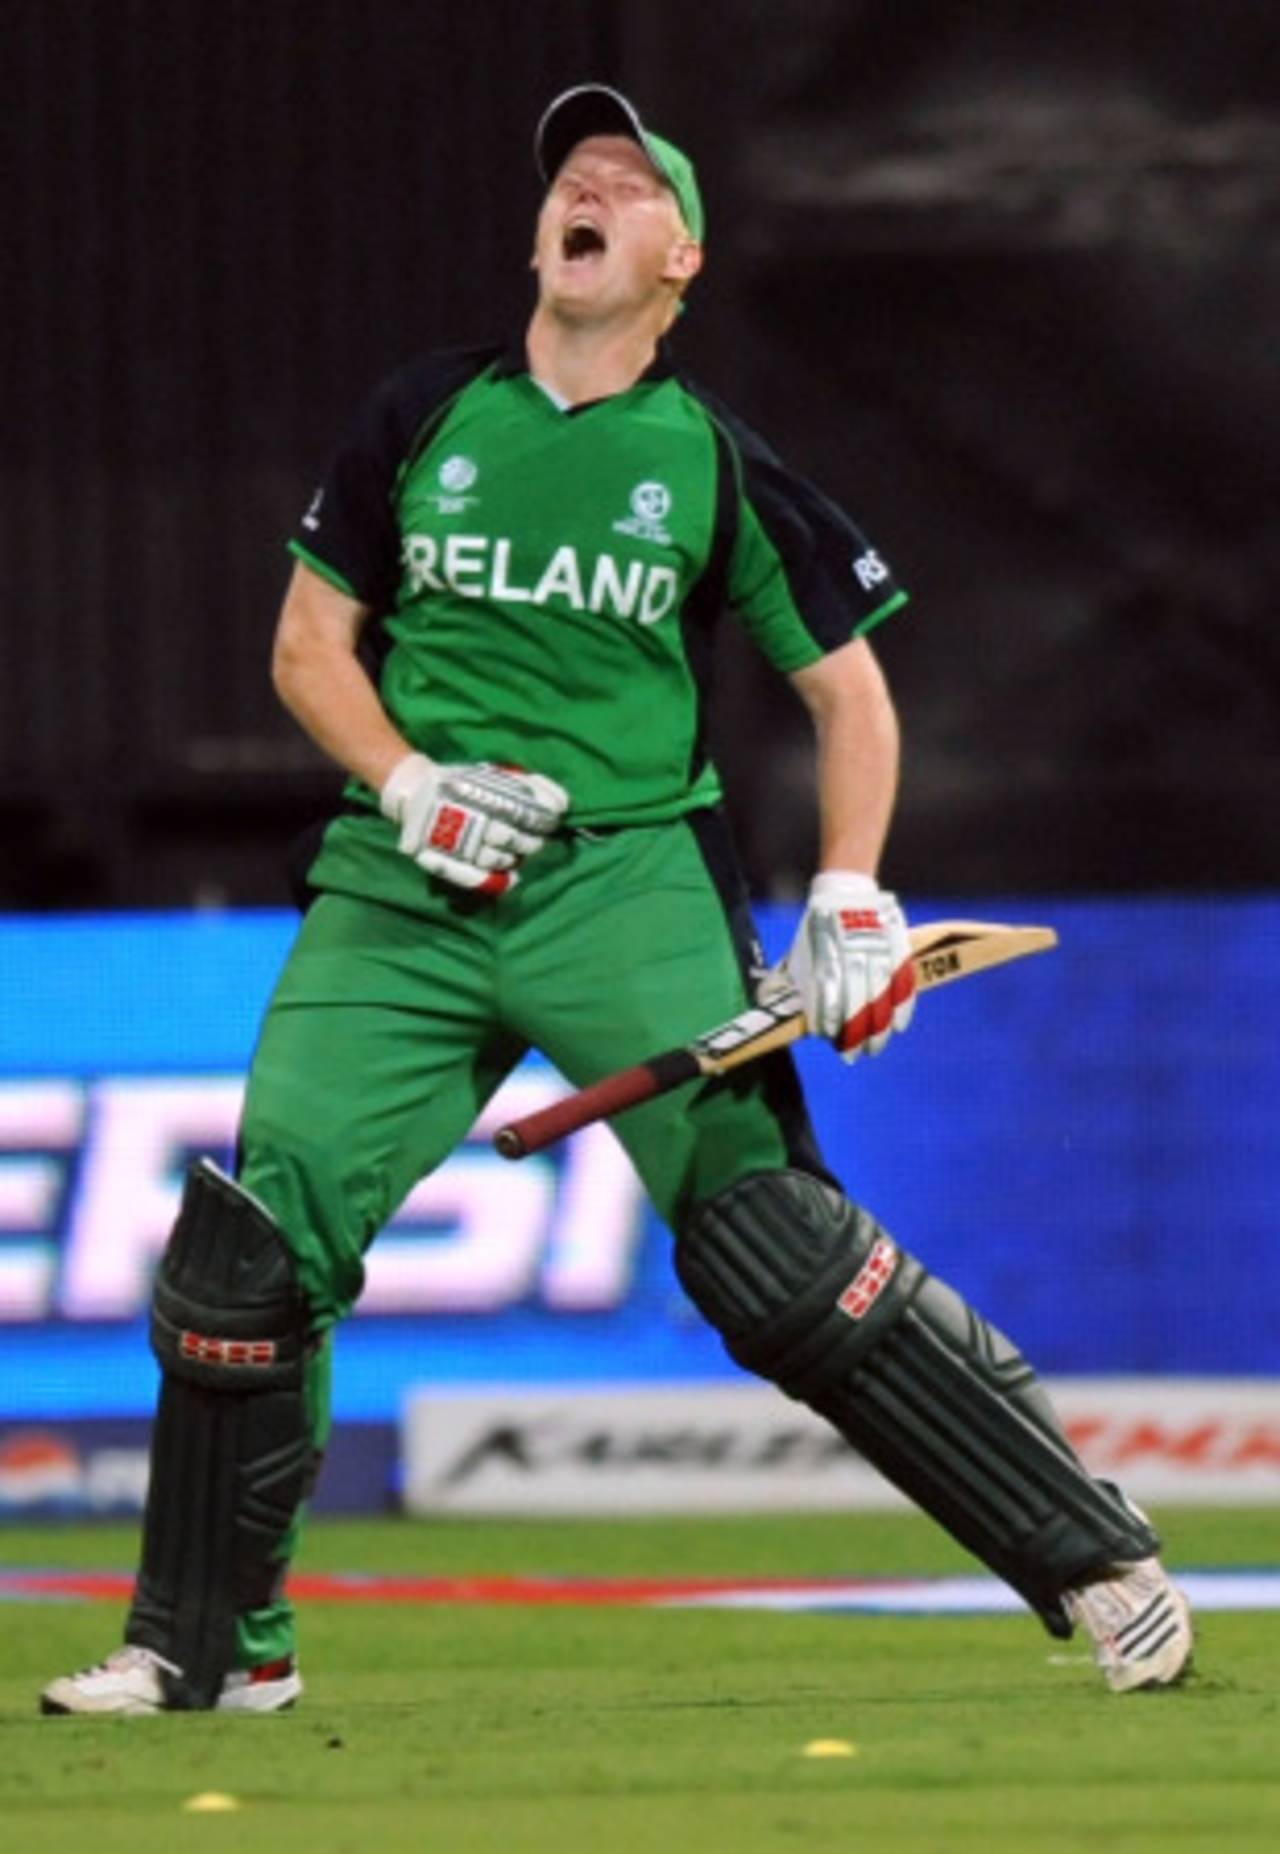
{"x":941,"y":951}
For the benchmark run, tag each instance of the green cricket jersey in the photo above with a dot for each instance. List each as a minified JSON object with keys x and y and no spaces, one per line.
{"x":545,"y":582}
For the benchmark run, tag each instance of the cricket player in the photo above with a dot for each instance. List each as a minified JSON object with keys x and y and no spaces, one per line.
{"x":501,"y":623}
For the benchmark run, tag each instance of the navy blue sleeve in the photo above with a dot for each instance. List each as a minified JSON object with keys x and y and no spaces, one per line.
{"x":838,"y":583}
{"x":349,"y":533}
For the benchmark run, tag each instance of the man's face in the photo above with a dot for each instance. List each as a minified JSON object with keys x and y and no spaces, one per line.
{"x":609,"y":235}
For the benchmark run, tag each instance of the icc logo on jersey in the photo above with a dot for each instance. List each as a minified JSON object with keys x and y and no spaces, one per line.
{"x":455,"y":476}
{"x":650,"y":506}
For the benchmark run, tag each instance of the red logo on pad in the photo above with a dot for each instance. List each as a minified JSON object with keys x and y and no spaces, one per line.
{"x":870,"y":1281}
{"x":209,"y":1351}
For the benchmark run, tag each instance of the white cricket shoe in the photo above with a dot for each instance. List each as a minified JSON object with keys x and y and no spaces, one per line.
{"x":269,"y":1688}
{"x":1140,"y":1623}
{"x":128,"y":1684}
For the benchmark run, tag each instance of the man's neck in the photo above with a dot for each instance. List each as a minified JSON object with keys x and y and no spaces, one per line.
{"x":581,"y":362}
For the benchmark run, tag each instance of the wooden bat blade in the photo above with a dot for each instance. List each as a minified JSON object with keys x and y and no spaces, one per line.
{"x":941,"y":952}
{"x":945,"y":950}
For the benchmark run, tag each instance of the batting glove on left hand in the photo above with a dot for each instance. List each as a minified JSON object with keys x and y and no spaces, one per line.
{"x":851,"y":963}
{"x":472,"y":824}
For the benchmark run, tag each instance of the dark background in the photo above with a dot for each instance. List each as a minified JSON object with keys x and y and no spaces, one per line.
{"x":1004,"y":278}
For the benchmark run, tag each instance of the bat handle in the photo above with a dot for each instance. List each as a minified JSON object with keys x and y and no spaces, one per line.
{"x":521,"y":1137}
{"x":601,"y":1101}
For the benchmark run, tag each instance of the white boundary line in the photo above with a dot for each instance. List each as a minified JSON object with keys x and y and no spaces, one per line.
{"x":968,"y":1596}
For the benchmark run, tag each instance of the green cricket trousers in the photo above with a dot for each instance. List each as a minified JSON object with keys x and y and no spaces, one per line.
{"x":405,"y":1002}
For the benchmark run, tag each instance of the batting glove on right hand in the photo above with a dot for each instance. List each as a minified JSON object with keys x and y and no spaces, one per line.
{"x":471,"y":825}
{"x":851,"y":963}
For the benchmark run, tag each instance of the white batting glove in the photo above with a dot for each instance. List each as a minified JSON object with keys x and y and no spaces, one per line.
{"x":471,"y":825}
{"x":851,"y":963}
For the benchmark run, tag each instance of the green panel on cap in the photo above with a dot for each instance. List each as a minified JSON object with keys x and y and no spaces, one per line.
{"x":677,"y":170}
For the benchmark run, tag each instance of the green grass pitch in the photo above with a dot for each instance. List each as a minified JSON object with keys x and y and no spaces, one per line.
{"x":455,"y":1729}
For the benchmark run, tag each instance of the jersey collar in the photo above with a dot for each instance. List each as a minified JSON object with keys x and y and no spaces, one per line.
{"x":513,"y":360}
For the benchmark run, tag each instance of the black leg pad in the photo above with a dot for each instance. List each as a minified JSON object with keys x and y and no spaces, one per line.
{"x":231,"y":1453}
{"x":811,"y":1293}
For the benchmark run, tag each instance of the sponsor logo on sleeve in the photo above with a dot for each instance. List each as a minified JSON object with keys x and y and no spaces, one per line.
{"x":870,"y":570}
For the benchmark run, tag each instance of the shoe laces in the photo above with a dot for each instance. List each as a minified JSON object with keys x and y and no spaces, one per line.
{"x":130,"y":1656}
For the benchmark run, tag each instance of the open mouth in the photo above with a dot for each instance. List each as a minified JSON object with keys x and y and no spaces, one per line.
{"x":582,"y":240}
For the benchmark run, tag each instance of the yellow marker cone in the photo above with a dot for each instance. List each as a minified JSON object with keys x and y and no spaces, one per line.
{"x":830,"y":1747}
{"x":210,"y":1802}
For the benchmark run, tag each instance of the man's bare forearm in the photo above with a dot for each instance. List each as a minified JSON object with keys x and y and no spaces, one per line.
{"x":323,"y":684}
{"x":857,"y":755}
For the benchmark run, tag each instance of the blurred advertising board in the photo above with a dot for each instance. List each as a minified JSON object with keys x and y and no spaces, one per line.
{"x":97,"y":1468}
{"x":1084,"y":1144}
{"x":743,"y":1447}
